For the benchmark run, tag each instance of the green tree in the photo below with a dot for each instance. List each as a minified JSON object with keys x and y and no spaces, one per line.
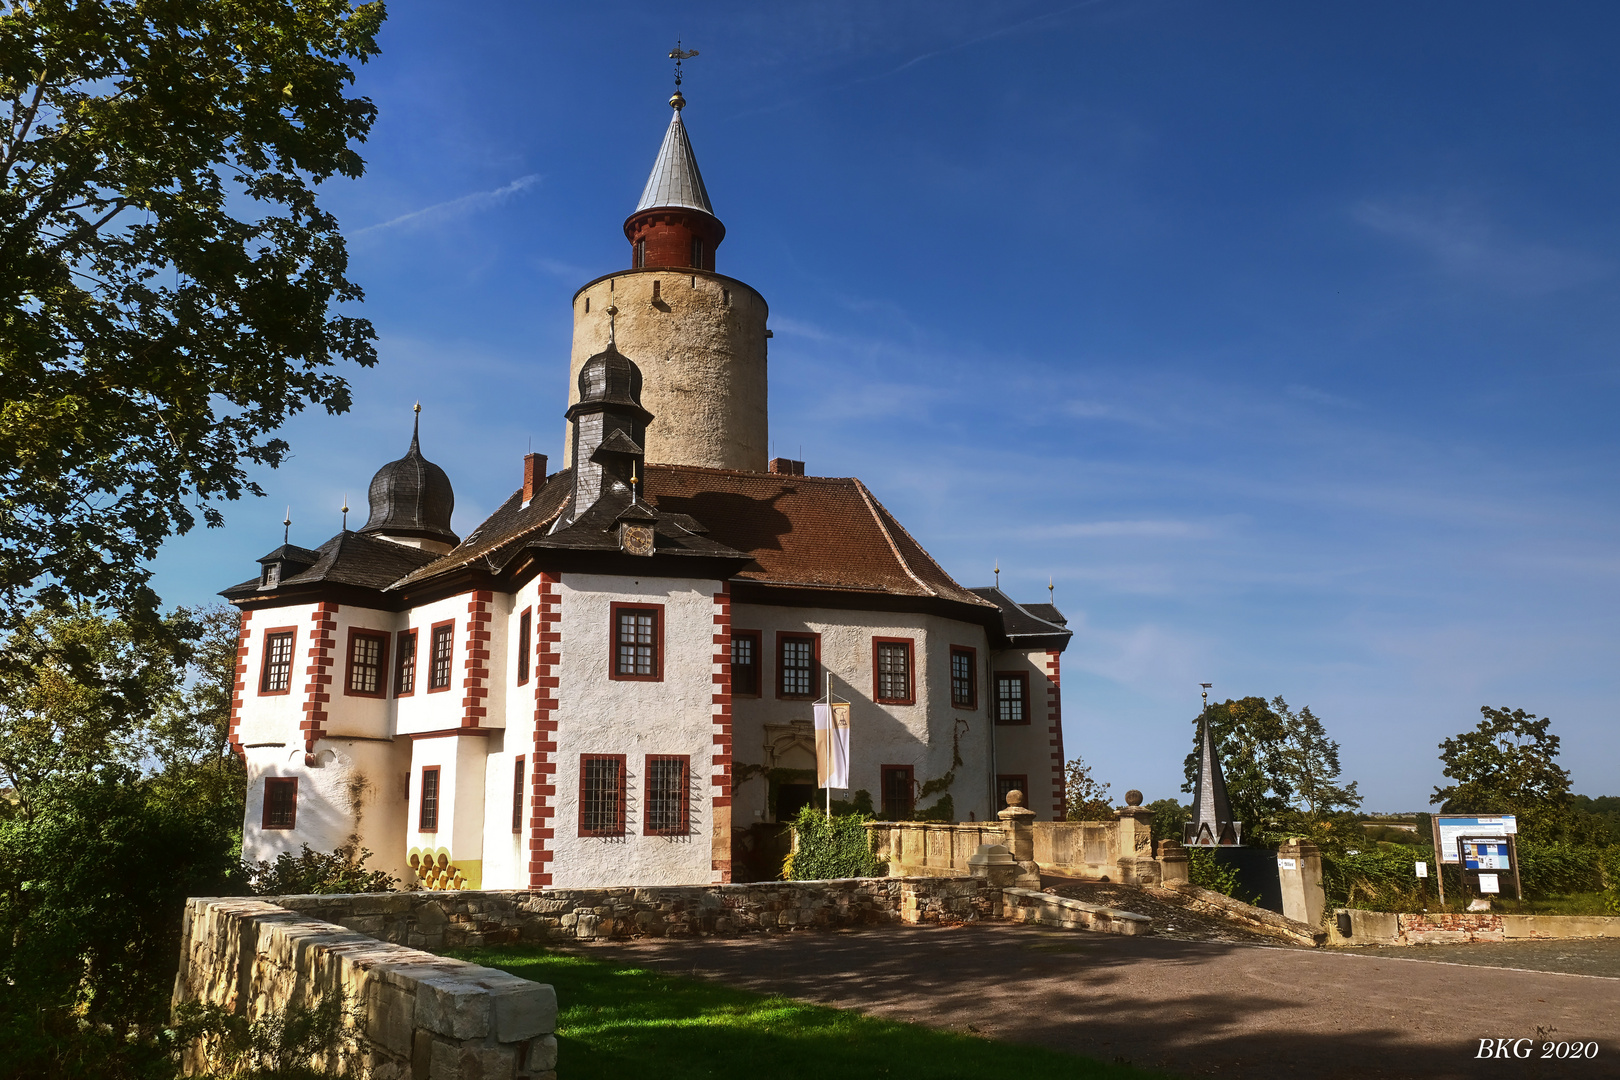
{"x":169,"y":285}
{"x":1308,"y":765}
{"x":1506,"y":765}
{"x":1251,"y":740}
{"x":1085,"y":796}
{"x":97,"y":850}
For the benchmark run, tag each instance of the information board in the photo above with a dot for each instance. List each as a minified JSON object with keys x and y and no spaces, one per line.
{"x":1485,"y":854}
{"x":1452,"y":829}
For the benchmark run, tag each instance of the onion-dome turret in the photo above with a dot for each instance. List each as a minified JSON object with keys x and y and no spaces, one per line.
{"x":411,"y":499}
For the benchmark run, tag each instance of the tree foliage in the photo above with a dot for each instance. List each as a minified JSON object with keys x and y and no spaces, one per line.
{"x":121,"y":804}
{"x":1506,"y":765}
{"x":168,"y":281}
{"x":1085,"y":796}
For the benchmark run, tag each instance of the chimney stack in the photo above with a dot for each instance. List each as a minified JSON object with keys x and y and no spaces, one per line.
{"x":534,"y":475}
{"x":787,"y":466}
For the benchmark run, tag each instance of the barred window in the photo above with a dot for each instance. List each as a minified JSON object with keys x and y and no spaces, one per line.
{"x":280,"y":802}
{"x":892,"y":664}
{"x":897,"y":792}
{"x":405,"y":666}
{"x":367,"y":655}
{"x":525,"y":629}
{"x":745,"y":662}
{"x":276,"y":677}
{"x":427,"y":817}
{"x":444,"y":645}
{"x":635,"y":643}
{"x":666,"y":795}
{"x":1012,"y":697}
{"x":797,"y":664}
{"x":963,"y":690}
{"x":601,"y":795}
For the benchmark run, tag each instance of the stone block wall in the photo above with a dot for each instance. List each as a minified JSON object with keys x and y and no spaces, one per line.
{"x":1029,"y":906}
{"x":449,"y":920}
{"x":1451,"y":928}
{"x":418,"y":1015}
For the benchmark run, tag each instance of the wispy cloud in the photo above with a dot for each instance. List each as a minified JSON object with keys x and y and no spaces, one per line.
{"x":452,"y":208}
{"x":1468,"y":247}
{"x":1078,"y":529}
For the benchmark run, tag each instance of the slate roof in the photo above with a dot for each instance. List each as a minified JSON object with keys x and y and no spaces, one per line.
{"x":675,"y":180}
{"x":811,"y":532}
{"x":1030,"y":625}
{"x":349,"y":558}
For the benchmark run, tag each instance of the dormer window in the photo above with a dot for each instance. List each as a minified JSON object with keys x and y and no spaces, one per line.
{"x":271,"y":576}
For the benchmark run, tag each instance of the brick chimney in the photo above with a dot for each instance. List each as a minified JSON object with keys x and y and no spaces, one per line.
{"x":787,"y":466}
{"x":534,"y":475}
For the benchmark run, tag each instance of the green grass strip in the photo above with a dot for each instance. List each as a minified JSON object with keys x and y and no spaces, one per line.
{"x":618,"y":1021}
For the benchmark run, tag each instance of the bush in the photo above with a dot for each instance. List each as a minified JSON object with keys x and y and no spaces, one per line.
{"x":1208,"y":872}
{"x":340,"y":871}
{"x":1377,"y":880}
{"x":1609,"y":863}
{"x":1558,"y":869}
{"x":837,"y":847}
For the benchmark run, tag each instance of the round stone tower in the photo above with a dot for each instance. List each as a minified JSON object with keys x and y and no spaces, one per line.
{"x":697,"y":336}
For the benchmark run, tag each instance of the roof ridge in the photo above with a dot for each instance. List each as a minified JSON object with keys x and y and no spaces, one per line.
{"x":749,"y":472}
{"x":872,"y":504}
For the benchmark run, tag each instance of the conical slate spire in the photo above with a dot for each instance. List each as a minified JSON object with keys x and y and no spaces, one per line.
{"x":1212,"y":823}
{"x":675,"y":180}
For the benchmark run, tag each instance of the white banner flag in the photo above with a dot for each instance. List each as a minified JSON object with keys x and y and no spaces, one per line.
{"x":832,"y":745}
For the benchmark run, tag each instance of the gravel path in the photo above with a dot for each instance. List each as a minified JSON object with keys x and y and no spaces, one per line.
{"x":1191,"y":1008}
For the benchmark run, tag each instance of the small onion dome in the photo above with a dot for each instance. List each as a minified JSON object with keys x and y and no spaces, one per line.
{"x":412,"y":497}
{"x":610,"y":381}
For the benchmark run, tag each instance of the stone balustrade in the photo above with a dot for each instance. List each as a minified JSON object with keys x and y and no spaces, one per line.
{"x":1043,"y":909}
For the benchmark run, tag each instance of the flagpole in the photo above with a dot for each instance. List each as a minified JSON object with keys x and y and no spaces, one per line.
{"x":829,"y":746}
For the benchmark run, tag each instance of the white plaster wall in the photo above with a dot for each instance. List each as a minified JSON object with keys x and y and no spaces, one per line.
{"x":355,"y":788}
{"x":919,"y":735}
{"x":1027,"y":748}
{"x":351,"y":714}
{"x":462,"y":765}
{"x":274,"y":718}
{"x":504,"y":864}
{"x":598,"y":715}
{"x":440,"y":709}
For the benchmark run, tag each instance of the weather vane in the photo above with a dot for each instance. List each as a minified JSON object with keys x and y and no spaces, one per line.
{"x":679,"y":54}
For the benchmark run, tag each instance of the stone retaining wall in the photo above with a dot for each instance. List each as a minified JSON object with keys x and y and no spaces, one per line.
{"x":1029,"y":906}
{"x":436,"y":920}
{"x":418,"y":1015}
{"x":1451,"y":928}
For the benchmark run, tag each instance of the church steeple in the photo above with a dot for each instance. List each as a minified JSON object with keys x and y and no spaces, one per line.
{"x":674,"y":224}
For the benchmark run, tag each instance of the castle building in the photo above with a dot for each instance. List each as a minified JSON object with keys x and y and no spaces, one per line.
{"x":610,"y":681}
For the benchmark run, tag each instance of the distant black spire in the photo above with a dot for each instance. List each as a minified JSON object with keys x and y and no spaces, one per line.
{"x":412,"y":497}
{"x":1212,"y":823}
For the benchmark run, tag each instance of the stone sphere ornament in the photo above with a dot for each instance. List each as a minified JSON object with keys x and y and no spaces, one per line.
{"x":1133,"y":798}
{"x":1015,"y":797}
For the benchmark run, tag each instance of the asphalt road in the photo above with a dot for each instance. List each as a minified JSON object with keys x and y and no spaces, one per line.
{"x":1190,"y":1008}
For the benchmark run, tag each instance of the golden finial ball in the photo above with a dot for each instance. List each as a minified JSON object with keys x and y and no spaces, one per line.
{"x":677,"y":101}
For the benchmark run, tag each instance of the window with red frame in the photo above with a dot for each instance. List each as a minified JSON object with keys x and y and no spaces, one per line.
{"x":667,"y":795}
{"x":745,"y":663}
{"x":898,"y":793}
{"x":601,"y":795}
{"x":368,"y":660}
{"x":280,"y":802}
{"x":796,"y":665}
{"x":405,"y":665}
{"x":525,"y":630}
{"x":1012,"y":697}
{"x":276,"y":677}
{"x":964,"y":678}
{"x":517,"y":794}
{"x":444,"y":648}
{"x":427,"y":814}
{"x":891,"y":671}
{"x":1006,"y":782}
{"x":635,"y":643}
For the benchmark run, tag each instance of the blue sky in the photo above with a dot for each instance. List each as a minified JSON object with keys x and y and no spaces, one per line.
{"x":1282,"y":338}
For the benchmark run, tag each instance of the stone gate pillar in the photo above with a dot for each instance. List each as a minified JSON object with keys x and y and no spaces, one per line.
{"x":1299,"y":868}
{"x":1018,"y":821}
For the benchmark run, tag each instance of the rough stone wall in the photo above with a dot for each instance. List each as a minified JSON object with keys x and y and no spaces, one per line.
{"x":1447,"y":928}
{"x":1029,"y":906}
{"x":448,"y":920}
{"x":419,"y":1015}
{"x":700,"y":345}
